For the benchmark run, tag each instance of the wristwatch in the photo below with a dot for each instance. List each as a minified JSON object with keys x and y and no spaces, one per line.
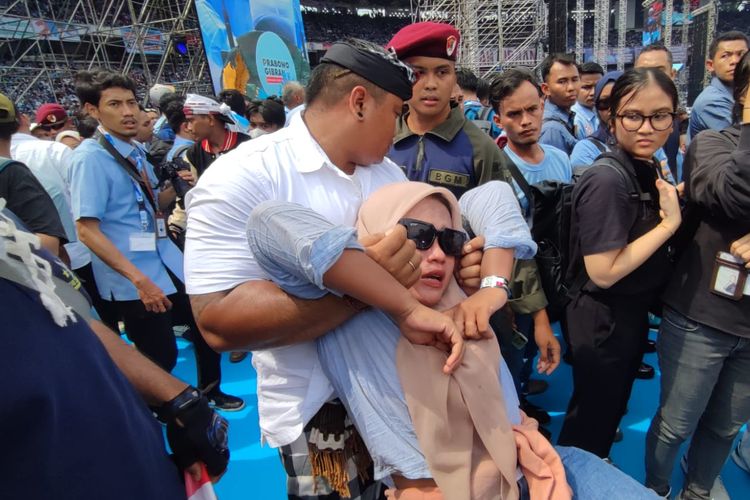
{"x":496,"y":282}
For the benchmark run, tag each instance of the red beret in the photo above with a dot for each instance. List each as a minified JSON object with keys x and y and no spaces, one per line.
{"x":426,"y":39}
{"x":50,"y":114}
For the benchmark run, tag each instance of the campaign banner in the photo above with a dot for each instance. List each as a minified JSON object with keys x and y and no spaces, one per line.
{"x":652,"y":22}
{"x":254,"y":46}
{"x":14,"y":27}
{"x":153,"y":41}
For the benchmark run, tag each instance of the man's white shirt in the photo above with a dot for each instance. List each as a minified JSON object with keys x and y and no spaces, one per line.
{"x":50,"y":163}
{"x":290,"y":166}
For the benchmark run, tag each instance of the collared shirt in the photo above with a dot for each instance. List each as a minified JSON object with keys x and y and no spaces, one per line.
{"x":557,"y":128}
{"x":712,"y":109}
{"x":291,"y":113}
{"x":102,"y":189}
{"x":555,"y":166}
{"x":288,"y":165}
{"x":50,"y":163}
{"x":586,"y":120}
{"x":180,"y":144}
{"x":455,"y":154}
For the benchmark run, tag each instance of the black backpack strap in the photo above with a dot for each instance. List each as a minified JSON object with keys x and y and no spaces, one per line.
{"x":484,"y":115}
{"x":599,"y":145}
{"x":519,"y":178}
{"x":560,"y":120}
{"x":634,"y":188}
{"x":6,"y":162}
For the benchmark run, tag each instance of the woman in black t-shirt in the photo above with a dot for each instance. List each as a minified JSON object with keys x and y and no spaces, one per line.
{"x":704,"y":340}
{"x":622,"y":217}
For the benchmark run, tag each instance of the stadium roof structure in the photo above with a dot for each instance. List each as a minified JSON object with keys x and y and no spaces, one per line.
{"x":44,"y":42}
{"x":495,"y":33}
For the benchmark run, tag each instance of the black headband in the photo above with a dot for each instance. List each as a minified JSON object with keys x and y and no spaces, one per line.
{"x":383,"y":69}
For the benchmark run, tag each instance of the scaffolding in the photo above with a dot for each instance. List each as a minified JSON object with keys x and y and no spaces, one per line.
{"x":622,"y":29}
{"x":601,"y":32}
{"x":44,"y":42}
{"x":495,"y":34}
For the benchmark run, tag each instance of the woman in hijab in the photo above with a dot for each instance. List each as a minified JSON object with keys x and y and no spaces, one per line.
{"x":431,"y":435}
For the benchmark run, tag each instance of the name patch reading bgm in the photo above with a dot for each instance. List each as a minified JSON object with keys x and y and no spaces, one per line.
{"x":449,"y":178}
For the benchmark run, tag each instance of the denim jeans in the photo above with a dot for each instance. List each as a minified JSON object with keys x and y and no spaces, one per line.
{"x":705,"y":392}
{"x":591,"y":478}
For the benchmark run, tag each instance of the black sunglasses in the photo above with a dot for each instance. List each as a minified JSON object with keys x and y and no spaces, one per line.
{"x":602,"y":104}
{"x":423,"y":234}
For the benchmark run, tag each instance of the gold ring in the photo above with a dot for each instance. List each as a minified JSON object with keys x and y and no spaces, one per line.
{"x":413,"y":267}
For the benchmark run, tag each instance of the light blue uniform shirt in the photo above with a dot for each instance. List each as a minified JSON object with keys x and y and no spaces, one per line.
{"x":554,"y":167}
{"x":586,"y":120}
{"x":585,"y":152}
{"x":712,"y":109}
{"x":296,"y":246}
{"x":179,"y":143}
{"x":102,"y":189}
{"x":554,"y":133}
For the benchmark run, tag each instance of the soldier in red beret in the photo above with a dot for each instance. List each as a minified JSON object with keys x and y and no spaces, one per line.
{"x":437,"y":144}
{"x":52,"y":119}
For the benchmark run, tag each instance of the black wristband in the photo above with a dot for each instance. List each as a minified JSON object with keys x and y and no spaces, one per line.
{"x":170,"y":410}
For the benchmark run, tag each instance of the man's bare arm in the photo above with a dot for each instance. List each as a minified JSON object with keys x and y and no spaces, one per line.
{"x":259,"y":315}
{"x":153,"y":384}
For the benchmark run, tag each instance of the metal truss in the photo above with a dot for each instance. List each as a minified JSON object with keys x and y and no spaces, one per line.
{"x":622,"y":28}
{"x":711,"y":9}
{"x":601,"y":31}
{"x":495,"y":34}
{"x":44,"y":42}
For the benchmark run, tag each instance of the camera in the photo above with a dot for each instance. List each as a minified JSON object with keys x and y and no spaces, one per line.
{"x":171,"y":170}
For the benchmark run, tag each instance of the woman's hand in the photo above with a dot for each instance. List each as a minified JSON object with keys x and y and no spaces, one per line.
{"x":741,"y":249}
{"x":472,"y":316}
{"x":669,"y":205}
{"x":424,"y":326}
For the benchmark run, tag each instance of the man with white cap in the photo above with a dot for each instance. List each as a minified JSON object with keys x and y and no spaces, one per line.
{"x":212,"y":125}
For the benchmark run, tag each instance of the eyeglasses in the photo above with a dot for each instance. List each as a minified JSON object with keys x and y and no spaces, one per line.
{"x":424,"y":234}
{"x":602,"y":105}
{"x":660,"y":121}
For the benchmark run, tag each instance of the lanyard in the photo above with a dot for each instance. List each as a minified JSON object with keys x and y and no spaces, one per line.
{"x":138,"y":178}
{"x":142,"y":211}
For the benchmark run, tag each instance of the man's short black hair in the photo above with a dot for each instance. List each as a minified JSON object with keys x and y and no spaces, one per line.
{"x":507,"y":82}
{"x":175,"y":113}
{"x":91,"y":84}
{"x":550,"y":60}
{"x":590,"y":68}
{"x":728,"y":36}
{"x":169,"y":97}
{"x":234,"y":99}
{"x":658,"y":47}
{"x":86,"y":125}
{"x":467,"y":80}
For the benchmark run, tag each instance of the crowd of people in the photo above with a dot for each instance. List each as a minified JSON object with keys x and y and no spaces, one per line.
{"x":382,"y":241}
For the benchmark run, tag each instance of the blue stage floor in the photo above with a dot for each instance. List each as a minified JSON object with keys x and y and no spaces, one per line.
{"x":255,"y":472}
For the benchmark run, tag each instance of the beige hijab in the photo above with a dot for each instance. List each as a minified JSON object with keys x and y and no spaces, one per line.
{"x":460,"y":420}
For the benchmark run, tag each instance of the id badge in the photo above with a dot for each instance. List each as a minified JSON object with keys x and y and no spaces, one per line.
{"x":142,"y":242}
{"x":729,"y":276}
{"x":161,"y":226}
